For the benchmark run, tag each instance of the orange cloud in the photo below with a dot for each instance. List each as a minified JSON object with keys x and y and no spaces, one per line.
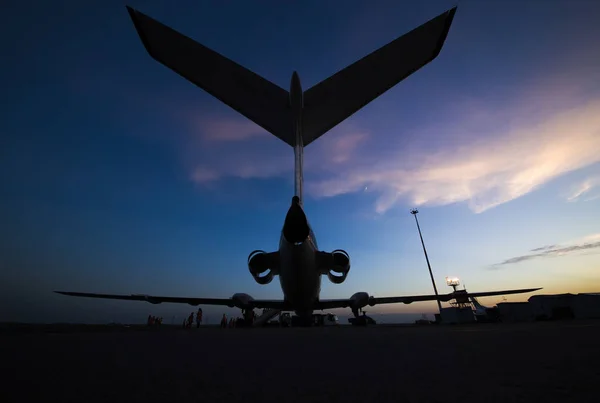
{"x":491,"y":169}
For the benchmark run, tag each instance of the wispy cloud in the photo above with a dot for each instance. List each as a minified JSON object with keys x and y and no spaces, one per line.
{"x":204,"y":175}
{"x":581,"y":191}
{"x":549,"y":247}
{"x":587,"y":239}
{"x":223,"y":129}
{"x":485,"y":172}
{"x":484,"y":156}
{"x":586,"y":243}
{"x":251,"y":152}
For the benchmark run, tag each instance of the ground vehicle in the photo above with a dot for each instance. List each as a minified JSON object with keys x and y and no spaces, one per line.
{"x":362,"y":320}
{"x":285,"y":319}
{"x":327,"y":319}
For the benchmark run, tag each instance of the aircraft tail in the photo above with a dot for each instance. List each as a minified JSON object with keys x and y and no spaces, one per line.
{"x":324,"y":106}
{"x":336,"y":98}
{"x":256,"y":98}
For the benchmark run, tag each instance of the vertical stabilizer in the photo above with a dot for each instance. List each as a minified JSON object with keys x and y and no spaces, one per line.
{"x":296,"y":106}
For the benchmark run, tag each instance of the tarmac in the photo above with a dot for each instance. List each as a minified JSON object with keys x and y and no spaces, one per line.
{"x":533,"y":362}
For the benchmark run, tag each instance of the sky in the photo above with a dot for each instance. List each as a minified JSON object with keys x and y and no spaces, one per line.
{"x":119,"y":176}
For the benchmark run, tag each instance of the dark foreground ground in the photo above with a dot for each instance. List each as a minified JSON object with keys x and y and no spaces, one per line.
{"x":541,"y":362}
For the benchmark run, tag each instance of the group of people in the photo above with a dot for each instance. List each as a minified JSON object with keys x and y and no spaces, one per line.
{"x":228,"y":323}
{"x":154,"y":320}
{"x":248,"y":320}
{"x":188,"y":323}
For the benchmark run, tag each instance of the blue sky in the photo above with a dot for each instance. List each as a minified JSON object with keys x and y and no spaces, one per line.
{"x":119,"y":176}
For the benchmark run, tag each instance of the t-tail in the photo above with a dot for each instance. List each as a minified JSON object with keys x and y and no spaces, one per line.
{"x":298,"y":118}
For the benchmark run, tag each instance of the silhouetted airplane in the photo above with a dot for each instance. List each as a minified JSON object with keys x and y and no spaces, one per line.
{"x":298,"y":118}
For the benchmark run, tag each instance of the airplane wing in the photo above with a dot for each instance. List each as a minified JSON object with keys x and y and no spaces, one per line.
{"x":230,"y":302}
{"x":445,"y":297}
{"x":338,"y":97}
{"x":346,"y":303}
{"x":258,"y":99}
{"x":282,"y":305}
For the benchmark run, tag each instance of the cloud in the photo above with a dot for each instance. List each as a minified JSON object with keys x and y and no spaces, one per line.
{"x":581,"y":190}
{"x":222,"y":129}
{"x":203,"y":175}
{"x":586,"y":243}
{"x":543,"y":248}
{"x":482,"y":153}
{"x":490,"y":169}
{"x":588,"y":239}
{"x":250,"y":152}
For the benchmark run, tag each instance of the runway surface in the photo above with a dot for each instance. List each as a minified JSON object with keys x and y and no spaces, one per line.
{"x":541,"y":362}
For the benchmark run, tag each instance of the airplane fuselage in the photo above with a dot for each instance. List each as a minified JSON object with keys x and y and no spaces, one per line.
{"x":299,"y":264}
{"x":299,"y":272}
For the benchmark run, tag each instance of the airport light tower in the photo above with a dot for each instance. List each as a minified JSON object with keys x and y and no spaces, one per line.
{"x":452,"y":282}
{"x":414,"y":212}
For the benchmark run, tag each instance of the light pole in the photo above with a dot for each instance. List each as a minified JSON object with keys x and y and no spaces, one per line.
{"x":415,"y":212}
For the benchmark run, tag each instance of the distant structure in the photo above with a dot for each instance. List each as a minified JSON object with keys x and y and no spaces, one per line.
{"x":414,"y":212}
{"x":461,"y":300}
{"x":452,"y":282}
{"x":551,"y":307}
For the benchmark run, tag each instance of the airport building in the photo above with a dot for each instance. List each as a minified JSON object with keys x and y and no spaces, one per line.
{"x":454,"y":315}
{"x":551,"y":307}
{"x":466,"y":309}
{"x":515,"y":312}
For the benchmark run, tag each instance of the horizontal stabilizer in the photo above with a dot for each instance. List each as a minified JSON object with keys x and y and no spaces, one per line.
{"x":338,"y":97}
{"x":256,"y":98}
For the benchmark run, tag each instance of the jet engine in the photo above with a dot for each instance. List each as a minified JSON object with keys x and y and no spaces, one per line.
{"x":260,"y":262}
{"x":341,"y":264}
{"x":359,"y":300}
{"x":241,"y":300}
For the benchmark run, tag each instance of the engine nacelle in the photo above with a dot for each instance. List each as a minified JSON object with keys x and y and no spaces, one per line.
{"x":359,"y":300}
{"x":341,"y":264}
{"x":241,"y":300}
{"x":260,"y":262}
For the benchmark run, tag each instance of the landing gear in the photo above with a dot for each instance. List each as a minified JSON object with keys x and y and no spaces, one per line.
{"x":302,"y":321}
{"x":248,"y":318}
{"x":361,"y":320}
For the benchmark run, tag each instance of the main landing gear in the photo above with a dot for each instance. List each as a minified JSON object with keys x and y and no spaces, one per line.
{"x":361,"y":320}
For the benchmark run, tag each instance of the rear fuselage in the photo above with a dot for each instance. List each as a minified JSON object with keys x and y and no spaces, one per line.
{"x":299,"y":272}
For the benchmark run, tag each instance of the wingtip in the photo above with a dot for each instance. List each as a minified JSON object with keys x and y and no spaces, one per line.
{"x":450,"y":15}
{"x":448,"y":18}
{"x":137,"y":18}
{"x":133,"y":13}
